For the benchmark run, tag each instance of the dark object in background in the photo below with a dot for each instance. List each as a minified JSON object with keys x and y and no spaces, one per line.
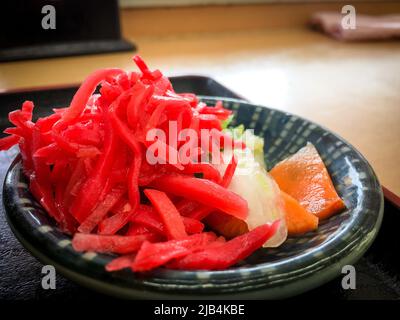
{"x":81,"y":27}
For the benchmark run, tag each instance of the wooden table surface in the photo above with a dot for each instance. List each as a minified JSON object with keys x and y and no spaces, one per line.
{"x":351,"y":88}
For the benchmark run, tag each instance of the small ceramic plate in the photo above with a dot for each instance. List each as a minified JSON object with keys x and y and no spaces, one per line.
{"x":298,"y":265}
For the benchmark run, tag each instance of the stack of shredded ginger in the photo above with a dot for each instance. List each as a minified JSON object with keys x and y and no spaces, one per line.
{"x":87,"y":166}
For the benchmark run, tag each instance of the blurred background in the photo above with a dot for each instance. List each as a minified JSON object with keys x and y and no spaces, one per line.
{"x":265,"y":50}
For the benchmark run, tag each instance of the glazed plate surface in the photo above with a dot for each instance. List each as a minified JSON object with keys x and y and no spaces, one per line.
{"x":300,"y":264}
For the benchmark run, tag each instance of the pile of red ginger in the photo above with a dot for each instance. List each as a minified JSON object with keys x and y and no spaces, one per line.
{"x":87,"y":167}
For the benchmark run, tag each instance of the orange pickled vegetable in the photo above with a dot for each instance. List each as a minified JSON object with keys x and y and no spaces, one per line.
{"x":298,"y":219}
{"x":304,"y":176}
{"x":226,"y":225}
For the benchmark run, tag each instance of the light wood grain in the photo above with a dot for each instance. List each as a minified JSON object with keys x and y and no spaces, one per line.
{"x":140,"y":22}
{"x":351,"y":88}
